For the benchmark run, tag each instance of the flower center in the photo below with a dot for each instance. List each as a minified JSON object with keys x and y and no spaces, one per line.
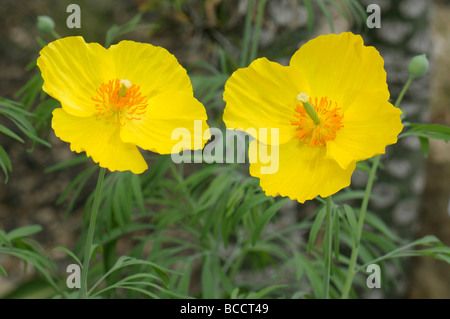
{"x":317,"y":120}
{"x":120,"y":101}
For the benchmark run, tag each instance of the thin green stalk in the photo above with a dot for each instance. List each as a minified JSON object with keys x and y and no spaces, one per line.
{"x":248,"y":27}
{"x":257,"y":27}
{"x":354,"y":256}
{"x":362,"y":214}
{"x":56,"y":35}
{"x":329,"y":244}
{"x":90,"y":234}
{"x":402,"y":93}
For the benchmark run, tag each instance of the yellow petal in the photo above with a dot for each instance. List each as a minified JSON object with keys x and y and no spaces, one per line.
{"x":303,"y":172}
{"x":264,"y":95}
{"x":370,"y":124}
{"x":151,"y":67}
{"x":341,"y":68}
{"x":165,"y":113}
{"x":100,"y":140}
{"x":72,"y":71}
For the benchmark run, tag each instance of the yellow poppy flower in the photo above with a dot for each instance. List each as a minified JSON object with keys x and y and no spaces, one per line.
{"x":344,"y":83}
{"x":118,"y":99}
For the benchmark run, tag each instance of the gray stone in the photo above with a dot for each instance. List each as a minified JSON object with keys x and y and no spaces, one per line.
{"x":386,"y":195}
{"x":410,"y":108}
{"x":405,"y":213}
{"x":399,"y":168}
{"x":385,"y":5}
{"x":359,"y":179}
{"x":411,"y":142}
{"x":285,"y":13}
{"x":418,"y":183}
{"x":420,"y":43}
{"x":413,"y":8}
{"x":394,"y":32}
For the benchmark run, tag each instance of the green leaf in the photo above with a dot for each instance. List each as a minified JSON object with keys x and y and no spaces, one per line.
{"x":4,"y":239}
{"x":377,"y":223}
{"x":3,"y":271}
{"x":185,"y":281}
{"x":208,"y":279}
{"x":424,"y":146}
{"x":404,"y":251}
{"x":363,"y":166}
{"x":351,"y":218}
{"x":132,"y":25}
{"x":427,"y":240}
{"x":10,"y":133}
{"x":358,"y":12}
{"x":23,"y":231}
{"x":69,"y":163}
{"x":235,"y":294}
{"x":68,"y":252}
{"x":318,"y":222}
{"x":86,"y":176}
{"x":336,"y":233}
{"x":266,"y":217}
{"x":5,"y":163}
{"x":39,"y":262}
{"x":80,"y":179}
{"x":137,"y":192}
{"x":262,"y":293}
{"x":126,"y":261}
{"x":435,"y":131}
{"x":326,"y":13}
{"x":252,"y":201}
{"x":310,"y":11}
{"x":339,"y":9}
{"x":298,"y":263}
{"x":313,"y":274}
{"x":350,"y":194}
{"x":382,"y":243}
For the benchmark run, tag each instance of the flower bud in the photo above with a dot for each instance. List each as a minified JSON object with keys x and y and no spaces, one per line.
{"x":45,"y":24}
{"x":418,"y":66}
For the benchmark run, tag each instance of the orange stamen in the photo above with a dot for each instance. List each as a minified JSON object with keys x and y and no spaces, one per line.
{"x":120,"y":109}
{"x":330,"y":121}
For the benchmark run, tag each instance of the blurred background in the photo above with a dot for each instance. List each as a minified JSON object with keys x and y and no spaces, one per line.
{"x":413,"y":190}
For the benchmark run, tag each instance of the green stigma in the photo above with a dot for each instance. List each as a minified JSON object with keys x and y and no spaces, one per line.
{"x":123,"y":89}
{"x":310,"y":110}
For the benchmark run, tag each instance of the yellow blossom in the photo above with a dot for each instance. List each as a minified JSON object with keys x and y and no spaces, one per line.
{"x":330,"y":106}
{"x":118,"y":99}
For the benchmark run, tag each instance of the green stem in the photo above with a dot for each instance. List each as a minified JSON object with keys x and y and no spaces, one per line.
{"x":329,"y":244}
{"x":354,"y":256}
{"x":402,"y":93}
{"x":362,"y":214}
{"x":248,"y":24}
{"x":90,"y":234}
{"x":255,"y":41}
{"x":56,"y":35}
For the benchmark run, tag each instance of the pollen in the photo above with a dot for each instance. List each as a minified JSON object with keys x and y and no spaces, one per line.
{"x":119,"y":101}
{"x":317,"y":134}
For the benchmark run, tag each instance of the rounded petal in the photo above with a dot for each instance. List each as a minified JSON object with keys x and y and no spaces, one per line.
{"x":302,"y":173}
{"x":370,"y":124}
{"x":263,"y":95}
{"x":168,"y":116}
{"x":72,"y":71}
{"x":151,"y":67}
{"x":341,"y":68}
{"x":100,"y":140}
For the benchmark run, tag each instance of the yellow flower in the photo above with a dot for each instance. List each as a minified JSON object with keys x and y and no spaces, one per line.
{"x":118,"y":99}
{"x":330,"y":106}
